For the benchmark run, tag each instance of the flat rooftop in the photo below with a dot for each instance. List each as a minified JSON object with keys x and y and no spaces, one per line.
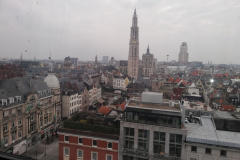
{"x":196,"y":106}
{"x":208,"y":134}
{"x":162,"y":106}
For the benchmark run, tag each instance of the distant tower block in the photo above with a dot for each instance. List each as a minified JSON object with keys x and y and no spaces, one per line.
{"x":133,"y":56}
{"x":183,"y":55}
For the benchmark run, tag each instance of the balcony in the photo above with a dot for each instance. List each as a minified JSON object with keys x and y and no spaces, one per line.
{"x":135,"y":153}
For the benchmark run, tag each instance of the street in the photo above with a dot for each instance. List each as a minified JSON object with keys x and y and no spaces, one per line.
{"x":51,"y":151}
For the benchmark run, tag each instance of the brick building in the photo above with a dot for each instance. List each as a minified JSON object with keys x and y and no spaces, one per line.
{"x":85,"y":145}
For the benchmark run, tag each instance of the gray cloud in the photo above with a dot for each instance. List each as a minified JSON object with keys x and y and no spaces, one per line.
{"x":84,"y":29}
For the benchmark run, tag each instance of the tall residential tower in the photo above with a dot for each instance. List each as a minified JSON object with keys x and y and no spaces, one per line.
{"x":133,"y":57}
{"x":183,"y":55}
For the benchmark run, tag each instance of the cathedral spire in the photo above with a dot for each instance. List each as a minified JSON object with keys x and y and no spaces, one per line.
{"x":134,"y":20}
{"x":148,"y":50}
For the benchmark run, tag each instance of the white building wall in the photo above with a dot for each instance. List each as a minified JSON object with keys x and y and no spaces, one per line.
{"x":232,"y":154}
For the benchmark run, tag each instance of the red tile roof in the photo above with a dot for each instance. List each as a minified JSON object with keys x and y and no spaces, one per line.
{"x":105,"y":110}
{"x":227,"y":108}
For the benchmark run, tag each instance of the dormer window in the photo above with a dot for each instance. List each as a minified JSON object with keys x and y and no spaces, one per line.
{"x":4,"y":102}
{"x":18,"y":98}
{"x":49,"y":91}
{"x":11,"y":100}
{"x":40,"y":93}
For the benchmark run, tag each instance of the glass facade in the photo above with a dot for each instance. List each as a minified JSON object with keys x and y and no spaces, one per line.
{"x":143,"y":139}
{"x":175,"y":145}
{"x":154,"y":119}
{"x":159,"y":142}
{"x":128,"y":138}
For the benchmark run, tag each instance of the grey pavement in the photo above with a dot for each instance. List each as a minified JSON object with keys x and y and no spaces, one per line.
{"x":51,"y":151}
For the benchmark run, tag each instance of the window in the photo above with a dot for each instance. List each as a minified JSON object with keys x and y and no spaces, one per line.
{"x":66,"y":151}
{"x":109,"y":145}
{"x":6,"y":140}
{"x":5,"y":127}
{"x":223,"y":153}
{"x":175,"y":145}
{"x":19,"y":134}
{"x":80,"y":140}
{"x":41,"y":122}
{"x":13,"y":111}
{"x":13,"y":136}
{"x":80,"y":153}
{"x":13,"y":124}
{"x":20,"y":122}
{"x":193,"y":149}
{"x":129,"y":138}
{"x":109,"y":157}
{"x":66,"y":138}
{"x":94,"y":156}
{"x":143,"y":139}
{"x":193,"y":159}
{"x":208,"y":151}
{"x":94,"y":143}
{"x":159,"y":142}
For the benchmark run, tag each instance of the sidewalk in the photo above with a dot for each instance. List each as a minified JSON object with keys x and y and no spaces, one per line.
{"x":51,"y":151}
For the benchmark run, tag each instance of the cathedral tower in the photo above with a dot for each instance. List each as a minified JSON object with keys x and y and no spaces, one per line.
{"x":133,"y":56}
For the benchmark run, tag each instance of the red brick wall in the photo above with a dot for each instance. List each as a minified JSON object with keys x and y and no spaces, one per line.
{"x":87,"y":148}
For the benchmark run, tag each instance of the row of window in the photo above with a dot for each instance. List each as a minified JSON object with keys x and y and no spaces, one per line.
{"x":44,"y":92}
{"x":94,"y":142}
{"x":5,"y":127}
{"x":175,"y":141}
{"x":13,"y":136}
{"x":10,"y":100}
{"x":209,"y":151}
{"x":148,"y":118}
{"x":94,"y":155}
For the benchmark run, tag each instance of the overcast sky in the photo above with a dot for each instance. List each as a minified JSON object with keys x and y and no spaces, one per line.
{"x":86,"y":28}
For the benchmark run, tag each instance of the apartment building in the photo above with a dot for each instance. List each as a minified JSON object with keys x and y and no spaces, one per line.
{"x":29,"y":111}
{"x":152,"y":128}
{"x":89,"y":137}
{"x":71,"y":103}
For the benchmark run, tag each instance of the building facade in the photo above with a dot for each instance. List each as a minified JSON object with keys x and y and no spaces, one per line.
{"x":133,"y":56}
{"x":152,"y":130}
{"x":148,"y":63}
{"x":204,"y":141}
{"x":183,"y":55}
{"x":71,"y":103}
{"x":82,"y":145}
{"x":29,"y":111}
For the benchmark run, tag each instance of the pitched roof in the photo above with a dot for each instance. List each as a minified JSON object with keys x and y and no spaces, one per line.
{"x":105,"y":110}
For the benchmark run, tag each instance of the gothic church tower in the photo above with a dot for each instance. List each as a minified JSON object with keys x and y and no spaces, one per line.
{"x":133,"y":57}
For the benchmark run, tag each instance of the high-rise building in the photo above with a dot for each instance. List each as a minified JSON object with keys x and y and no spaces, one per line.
{"x":183,"y":55}
{"x":133,"y":57}
{"x":105,"y":59}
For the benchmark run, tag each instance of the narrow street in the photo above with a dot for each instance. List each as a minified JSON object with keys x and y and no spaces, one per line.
{"x":51,"y":151}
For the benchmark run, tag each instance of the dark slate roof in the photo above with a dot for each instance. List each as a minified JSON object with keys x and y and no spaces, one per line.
{"x":123,"y":63}
{"x":9,"y":88}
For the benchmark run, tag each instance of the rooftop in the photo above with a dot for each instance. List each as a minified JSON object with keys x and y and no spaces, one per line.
{"x":196,"y":106}
{"x":206,"y":133}
{"x":162,"y":106}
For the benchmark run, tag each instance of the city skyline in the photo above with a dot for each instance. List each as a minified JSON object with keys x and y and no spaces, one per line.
{"x":84,"y":29}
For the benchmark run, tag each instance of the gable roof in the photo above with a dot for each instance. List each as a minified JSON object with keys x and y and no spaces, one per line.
{"x":105,"y":110}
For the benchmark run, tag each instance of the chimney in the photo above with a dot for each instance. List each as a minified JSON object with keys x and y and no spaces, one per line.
{"x":18,"y":84}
